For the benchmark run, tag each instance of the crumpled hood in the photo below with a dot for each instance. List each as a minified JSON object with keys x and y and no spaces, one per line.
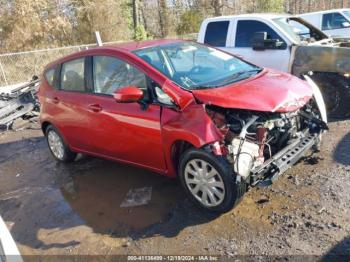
{"x":268,"y":91}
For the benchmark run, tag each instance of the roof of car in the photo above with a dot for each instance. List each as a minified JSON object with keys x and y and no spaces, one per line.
{"x":325,"y":11}
{"x":131,"y":46}
{"x":123,"y":47}
{"x":262,"y":15}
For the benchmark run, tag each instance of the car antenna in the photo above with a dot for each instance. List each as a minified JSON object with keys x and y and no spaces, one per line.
{"x":98,"y":38}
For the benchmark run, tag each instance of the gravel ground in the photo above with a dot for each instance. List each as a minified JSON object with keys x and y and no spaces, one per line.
{"x":54,"y":208}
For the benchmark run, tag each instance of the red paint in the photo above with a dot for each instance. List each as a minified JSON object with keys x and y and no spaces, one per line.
{"x":126,"y":132}
{"x":269,"y":91}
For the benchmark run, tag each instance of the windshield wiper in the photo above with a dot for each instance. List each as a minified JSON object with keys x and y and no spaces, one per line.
{"x":228,"y":80}
{"x":236,"y":76}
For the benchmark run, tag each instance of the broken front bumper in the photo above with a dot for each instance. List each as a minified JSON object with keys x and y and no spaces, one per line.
{"x":267,"y":173}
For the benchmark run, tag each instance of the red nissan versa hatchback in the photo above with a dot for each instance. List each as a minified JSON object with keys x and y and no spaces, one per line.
{"x":182,"y":109}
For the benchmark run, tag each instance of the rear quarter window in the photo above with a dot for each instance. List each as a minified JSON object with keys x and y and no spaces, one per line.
{"x":49,"y":76}
{"x":216,"y":33}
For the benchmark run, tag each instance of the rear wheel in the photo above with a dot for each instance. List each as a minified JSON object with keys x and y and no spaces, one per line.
{"x":57,"y":146}
{"x":209,"y":181}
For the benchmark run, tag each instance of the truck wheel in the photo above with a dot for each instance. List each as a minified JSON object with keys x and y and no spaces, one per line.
{"x":336,"y":92}
{"x":209,"y":181}
{"x":57,"y":146}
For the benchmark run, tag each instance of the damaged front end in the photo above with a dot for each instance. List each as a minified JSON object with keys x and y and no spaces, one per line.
{"x":262,"y":145}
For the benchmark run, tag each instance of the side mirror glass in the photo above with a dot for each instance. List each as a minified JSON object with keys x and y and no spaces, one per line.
{"x":128,"y":94}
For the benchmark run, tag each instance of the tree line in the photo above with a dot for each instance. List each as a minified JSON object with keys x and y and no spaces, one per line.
{"x":33,"y":24}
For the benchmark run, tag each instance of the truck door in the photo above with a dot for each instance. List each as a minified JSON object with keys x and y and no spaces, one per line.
{"x":271,"y":58}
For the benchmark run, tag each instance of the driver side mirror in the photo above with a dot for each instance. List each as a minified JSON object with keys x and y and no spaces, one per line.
{"x":346,"y":24}
{"x":128,"y":94}
{"x":260,"y":42}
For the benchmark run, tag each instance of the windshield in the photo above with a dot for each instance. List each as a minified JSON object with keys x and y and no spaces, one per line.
{"x":299,"y":30}
{"x":195,"y":66}
{"x":287,"y":28}
{"x":347,"y":13}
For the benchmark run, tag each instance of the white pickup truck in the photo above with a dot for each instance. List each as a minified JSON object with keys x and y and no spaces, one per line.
{"x":275,"y":41}
{"x":334,"y":22}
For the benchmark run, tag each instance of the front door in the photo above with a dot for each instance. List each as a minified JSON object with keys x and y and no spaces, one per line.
{"x":270,"y":58}
{"x":124,"y":131}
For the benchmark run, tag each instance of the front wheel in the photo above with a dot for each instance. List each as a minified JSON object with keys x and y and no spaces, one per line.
{"x":209,"y":181}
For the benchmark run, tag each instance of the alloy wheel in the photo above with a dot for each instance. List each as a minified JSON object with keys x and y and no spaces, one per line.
{"x":55,"y":144}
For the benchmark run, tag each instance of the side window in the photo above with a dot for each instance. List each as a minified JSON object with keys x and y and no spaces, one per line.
{"x":49,"y":76}
{"x":72,"y":75}
{"x":333,"y":21}
{"x":110,"y":74}
{"x":216,"y":33}
{"x":246,"y":29}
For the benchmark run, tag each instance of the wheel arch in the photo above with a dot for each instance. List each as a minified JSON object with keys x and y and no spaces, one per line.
{"x":44,"y":126}
{"x":178,"y":147}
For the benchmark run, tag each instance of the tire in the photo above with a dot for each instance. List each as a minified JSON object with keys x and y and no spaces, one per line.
{"x":57,"y":146}
{"x":335,"y":89}
{"x":224,"y":181}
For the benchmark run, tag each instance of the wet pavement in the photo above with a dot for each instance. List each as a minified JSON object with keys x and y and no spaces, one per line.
{"x":55,"y":208}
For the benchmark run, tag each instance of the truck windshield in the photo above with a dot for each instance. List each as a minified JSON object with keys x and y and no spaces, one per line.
{"x":194,"y":66}
{"x":299,"y":30}
{"x":347,"y":13}
{"x":287,"y":28}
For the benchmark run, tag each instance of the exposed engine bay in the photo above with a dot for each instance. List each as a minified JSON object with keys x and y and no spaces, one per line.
{"x":252,"y":139}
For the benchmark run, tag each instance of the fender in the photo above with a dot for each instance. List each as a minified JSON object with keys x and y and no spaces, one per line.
{"x":192,"y":125}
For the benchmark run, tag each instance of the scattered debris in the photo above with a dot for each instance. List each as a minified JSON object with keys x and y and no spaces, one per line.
{"x":137,"y":197}
{"x":70,"y":187}
{"x":126,"y":244}
{"x":321,"y":210}
{"x":18,"y":102}
{"x":262,"y":201}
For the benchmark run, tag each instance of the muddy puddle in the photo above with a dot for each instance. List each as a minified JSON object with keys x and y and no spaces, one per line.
{"x":96,"y":195}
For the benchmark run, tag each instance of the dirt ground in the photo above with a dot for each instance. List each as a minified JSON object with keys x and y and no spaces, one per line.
{"x":55,"y":208}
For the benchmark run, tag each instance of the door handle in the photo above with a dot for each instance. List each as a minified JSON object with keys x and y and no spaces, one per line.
{"x":95,"y":107}
{"x":55,"y":100}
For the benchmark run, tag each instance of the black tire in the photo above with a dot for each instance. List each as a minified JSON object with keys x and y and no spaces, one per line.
{"x":234,"y":190}
{"x":335,"y":89}
{"x":68,"y":155}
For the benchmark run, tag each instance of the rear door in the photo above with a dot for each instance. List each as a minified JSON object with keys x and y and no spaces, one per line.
{"x":217,"y":33}
{"x":72,"y":105}
{"x":129,"y":132}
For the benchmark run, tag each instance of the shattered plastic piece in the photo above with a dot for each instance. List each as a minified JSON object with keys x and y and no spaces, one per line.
{"x":137,"y":197}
